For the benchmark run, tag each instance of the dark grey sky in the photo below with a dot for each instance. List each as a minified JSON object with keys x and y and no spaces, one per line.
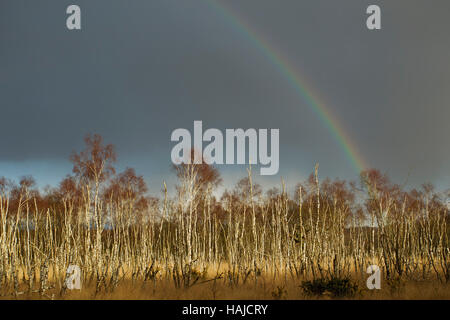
{"x":140,"y":69}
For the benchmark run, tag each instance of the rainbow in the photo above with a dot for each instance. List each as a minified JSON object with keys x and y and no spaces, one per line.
{"x":306,"y":92}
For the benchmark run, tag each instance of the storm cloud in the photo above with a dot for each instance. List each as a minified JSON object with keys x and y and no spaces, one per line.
{"x":140,"y":69}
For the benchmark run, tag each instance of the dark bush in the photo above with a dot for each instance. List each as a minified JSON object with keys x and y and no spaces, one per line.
{"x":337,"y":287}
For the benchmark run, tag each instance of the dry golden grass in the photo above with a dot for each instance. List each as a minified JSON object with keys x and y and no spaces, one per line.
{"x":265,"y":289}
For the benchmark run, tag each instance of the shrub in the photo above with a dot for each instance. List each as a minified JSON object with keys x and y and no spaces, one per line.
{"x":337,"y":287}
